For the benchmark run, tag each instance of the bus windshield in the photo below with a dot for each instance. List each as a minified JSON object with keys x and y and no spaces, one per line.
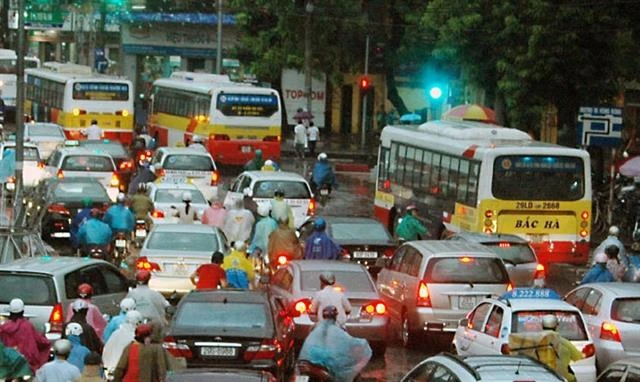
{"x":538,"y":177}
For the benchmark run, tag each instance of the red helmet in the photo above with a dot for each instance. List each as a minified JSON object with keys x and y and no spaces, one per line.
{"x":143,"y":276}
{"x":85,"y":290}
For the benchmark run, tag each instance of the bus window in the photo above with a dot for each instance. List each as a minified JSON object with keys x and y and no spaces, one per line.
{"x":426,"y":170}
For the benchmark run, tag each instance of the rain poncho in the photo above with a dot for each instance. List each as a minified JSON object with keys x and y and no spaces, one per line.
{"x":214,"y":215}
{"x":597,"y":274}
{"x":78,"y":352}
{"x":81,"y":218}
{"x":93,"y":231}
{"x":548,"y":347}
{"x":118,"y":341}
{"x":323,"y":174}
{"x":58,"y":370}
{"x":633,"y":268}
{"x":331,"y":347}
{"x":12,"y":364}
{"x":610,"y":240}
{"x":283,"y":241}
{"x":7,"y":165}
{"x":113,"y":325}
{"x":141,"y":206}
{"x":238,"y":225}
{"x":144,"y":175}
{"x":150,"y":303}
{"x":280,"y":210}
{"x":319,"y":246}
{"x":93,"y":317}
{"x":119,"y":218}
{"x":256,"y":163}
{"x":19,"y":333}
{"x":263,"y":229}
{"x":142,"y":363}
{"x":409,"y":228}
{"x":239,"y":270}
{"x":185,"y":215}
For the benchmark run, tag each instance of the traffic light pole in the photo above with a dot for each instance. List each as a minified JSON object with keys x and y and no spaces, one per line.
{"x":363,"y":137}
{"x":17,"y":204}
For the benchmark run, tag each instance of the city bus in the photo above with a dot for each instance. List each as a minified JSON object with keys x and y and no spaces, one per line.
{"x":234,"y":119}
{"x":72,"y":96}
{"x":478,"y":177}
{"x":8,"y":70}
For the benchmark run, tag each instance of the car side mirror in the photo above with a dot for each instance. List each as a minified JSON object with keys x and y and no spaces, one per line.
{"x":463,"y":322}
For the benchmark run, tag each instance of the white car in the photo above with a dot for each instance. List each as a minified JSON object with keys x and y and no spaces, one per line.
{"x":180,"y":165}
{"x":260,"y":186}
{"x":33,"y":170}
{"x":487,"y":327}
{"x":165,"y":195}
{"x":47,"y":136}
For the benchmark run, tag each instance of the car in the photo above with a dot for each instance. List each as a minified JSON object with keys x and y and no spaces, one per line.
{"x":521,"y":262}
{"x":125,"y":165}
{"x":65,"y":199}
{"x":47,"y":136}
{"x":48,"y":284}
{"x":220,"y":375}
{"x":165,"y":195}
{"x":231,"y":328}
{"x":487,"y":328}
{"x":448,"y":367}
{"x":76,"y":162}
{"x":363,"y":240}
{"x":185,"y":165}
{"x":33,"y":169}
{"x":624,"y":370}
{"x":178,"y":250}
{"x":612,"y":315}
{"x":260,"y":187}
{"x":429,"y":285}
{"x":297,"y":283}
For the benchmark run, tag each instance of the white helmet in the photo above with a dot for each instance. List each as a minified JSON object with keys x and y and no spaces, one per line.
{"x":264,"y":209}
{"x":196,"y":139}
{"x":614,"y":230}
{"x":127,"y":304}
{"x":239,"y":245}
{"x":16,"y":306}
{"x":549,"y":321}
{"x":121,"y":197}
{"x":73,"y":329}
{"x":600,"y":257}
{"x":79,"y":304}
{"x":134,"y":318}
{"x":62,"y":347}
{"x":322,"y":156}
{"x":186,"y":196}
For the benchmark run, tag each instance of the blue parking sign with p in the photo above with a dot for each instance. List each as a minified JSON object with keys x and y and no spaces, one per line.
{"x":599,"y":126}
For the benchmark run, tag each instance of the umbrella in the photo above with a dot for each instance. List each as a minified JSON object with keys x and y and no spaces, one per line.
{"x":471,"y":112}
{"x":411,"y":118}
{"x":631,"y":167}
{"x":303,"y":114}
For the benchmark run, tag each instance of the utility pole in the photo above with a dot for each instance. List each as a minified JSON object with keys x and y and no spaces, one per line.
{"x":363,"y":137}
{"x":17,"y":203}
{"x":219,"y":40}
{"x":307,"y":53}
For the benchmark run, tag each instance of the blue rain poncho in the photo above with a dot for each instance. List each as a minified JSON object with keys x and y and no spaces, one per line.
{"x":120,"y":218}
{"x":330,"y":346}
{"x":93,"y":231}
{"x":319,"y":246}
{"x":12,"y":364}
{"x":263,"y":229}
{"x":323,"y":174}
{"x":79,"y":352}
{"x":598,"y":274}
{"x":7,"y":165}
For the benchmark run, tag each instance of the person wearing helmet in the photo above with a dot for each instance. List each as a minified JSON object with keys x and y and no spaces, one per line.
{"x":342,"y":355}
{"x":614,"y":265}
{"x":612,"y":239}
{"x":256,"y":163}
{"x":79,"y":352}
{"x":210,"y":276}
{"x":93,"y":132}
{"x":81,"y":310}
{"x":319,"y":246}
{"x":60,"y":369}
{"x":322,"y":174}
{"x":145,"y":174}
{"x":185,"y":213}
{"x":410,"y":228}
{"x":238,"y":268}
{"x":599,"y":271}
{"x":283,"y":241}
{"x":126,"y":305}
{"x":150,"y":303}
{"x":141,"y":205}
{"x":18,"y":332}
{"x":328,"y":295}
{"x":270,"y":165}
{"x":13,"y":365}
{"x":142,"y":359}
{"x":197,"y":143}
{"x":280,"y":209}
{"x":561,"y":352}
{"x":119,"y":340}
{"x":93,"y":315}
{"x":261,"y":231}
{"x":94,"y":233}
{"x":215,"y":214}
{"x":83,"y":215}
{"x":119,"y":217}
{"x":238,"y":223}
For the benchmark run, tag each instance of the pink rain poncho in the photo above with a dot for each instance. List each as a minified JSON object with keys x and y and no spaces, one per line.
{"x":94,"y":317}
{"x":19,"y":333}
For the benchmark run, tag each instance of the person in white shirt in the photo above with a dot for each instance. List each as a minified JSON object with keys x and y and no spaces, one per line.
{"x":313,"y":133}
{"x":299,"y":138}
{"x":197,"y":144}
{"x":93,"y":132}
{"x":327,"y":296}
{"x":185,"y":213}
{"x":59,"y":370}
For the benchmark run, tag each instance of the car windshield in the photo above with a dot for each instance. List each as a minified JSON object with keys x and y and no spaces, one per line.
{"x":79,"y":191}
{"x":465,"y":270}
{"x":183,"y":241}
{"x":186,"y":162}
{"x":626,"y":310}
{"x":30,"y":153}
{"x":175,"y":196}
{"x":292,"y":189}
{"x":116,"y":150}
{"x":45,"y":131}
{"x":570,"y":325}
{"x":32,"y":289}
{"x":87,"y":163}
{"x":198,"y":316}
{"x":514,"y":253}
{"x":348,"y":281}
{"x":359,"y":232}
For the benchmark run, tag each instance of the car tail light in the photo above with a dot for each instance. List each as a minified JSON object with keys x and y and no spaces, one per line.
{"x":176,"y":349}
{"x":157,"y":214}
{"x":423,"y":295}
{"x":58,"y":209}
{"x":41,"y":165}
{"x":504,"y":349}
{"x":388,"y":252}
{"x":311,"y":210}
{"x":268,"y":349}
{"x":466,"y":259}
{"x":60,"y":174}
{"x":539,"y":273}
{"x":344,"y":253}
{"x":373,"y":308}
{"x":214,"y":178}
{"x":144,"y":263}
{"x":504,"y":244}
{"x":221,"y":137}
{"x":161,"y":172}
{"x":115,"y":182}
{"x":272,"y":138}
{"x":302,"y":306}
{"x":56,"y":318}
{"x":126,"y":165}
{"x":588,"y":350}
{"x":282,"y":259}
{"x":509,"y":286}
{"x":584,"y":215}
{"x":608,"y":331}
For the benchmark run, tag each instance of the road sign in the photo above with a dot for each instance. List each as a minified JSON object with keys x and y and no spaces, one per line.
{"x":599,"y":126}
{"x":45,"y":16}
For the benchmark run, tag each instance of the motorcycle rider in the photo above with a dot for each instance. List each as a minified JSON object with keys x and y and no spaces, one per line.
{"x":238,"y":222}
{"x":126,"y":305}
{"x":18,"y":332}
{"x":119,"y":340}
{"x":59,"y":369}
{"x":94,"y":233}
{"x":150,"y":303}
{"x":141,"y":205}
{"x":119,"y":217}
{"x":283,"y":241}
{"x":612,"y":239}
{"x":322,"y":174}
{"x":633,"y":264}
{"x":410,"y":228}
{"x":319,"y":246}
{"x":329,"y":295}
{"x":142,"y":359}
{"x":215,"y":214}
{"x":197,"y":144}
{"x":614,"y":265}
{"x":79,"y":352}
{"x":238,"y":268}
{"x":564,"y":352}
{"x":185,"y":213}
{"x":13,"y":365}
{"x":262,"y":230}
{"x":146,"y":174}
{"x":210,"y":276}
{"x":280,"y":209}
{"x":78,"y":220}
{"x":598,"y":272}
{"x":90,"y":337}
{"x":256,"y":163}
{"x":331,"y":347}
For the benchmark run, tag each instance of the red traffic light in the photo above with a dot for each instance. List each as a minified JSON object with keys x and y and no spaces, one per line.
{"x":365,"y":83}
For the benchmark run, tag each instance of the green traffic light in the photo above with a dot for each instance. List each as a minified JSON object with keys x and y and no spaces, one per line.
{"x":435,"y":92}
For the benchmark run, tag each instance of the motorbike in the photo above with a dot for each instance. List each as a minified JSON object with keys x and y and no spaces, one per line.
{"x":325,"y":192}
{"x":120,"y":248}
{"x":310,"y":372}
{"x":94,"y":251}
{"x":140,"y":232}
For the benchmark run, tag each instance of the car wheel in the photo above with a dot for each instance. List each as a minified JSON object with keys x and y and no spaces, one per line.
{"x":407,"y":336}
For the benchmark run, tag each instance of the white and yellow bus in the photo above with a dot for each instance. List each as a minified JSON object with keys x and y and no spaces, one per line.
{"x":234,"y":119}
{"x":472,"y":176}
{"x":72,"y":96}
{"x":8,"y":71}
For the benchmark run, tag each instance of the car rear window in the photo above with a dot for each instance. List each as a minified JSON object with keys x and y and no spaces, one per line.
{"x":87,"y":163}
{"x":188,"y":163}
{"x":30,"y":153}
{"x":78,"y":191}
{"x":570,"y":325}
{"x":515,"y":253}
{"x":220,"y":317}
{"x":626,"y":310}
{"x":292,"y":189}
{"x":116,"y":150}
{"x":183,"y":241}
{"x":32,"y":289}
{"x":348,"y":281}
{"x":175,"y":196}
{"x":359,"y":231}
{"x":465,"y":270}
{"x":45,"y":131}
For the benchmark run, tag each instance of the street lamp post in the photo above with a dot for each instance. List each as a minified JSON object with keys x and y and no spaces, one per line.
{"x":307,"y":53}
{"x":363,"y":136}
{"x":219,"y":40}
{"x":19,"y":110}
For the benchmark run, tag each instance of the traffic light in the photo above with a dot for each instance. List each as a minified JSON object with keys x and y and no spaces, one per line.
{"x":365,"y":85}
{"x":435,"y":92}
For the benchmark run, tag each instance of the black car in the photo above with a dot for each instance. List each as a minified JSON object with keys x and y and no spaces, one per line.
{"x":227,"y":328}
{"x":220,"y":375}
{"x":363,"y":240}
{"x":64,"y":200}
{"x":125,"y":165}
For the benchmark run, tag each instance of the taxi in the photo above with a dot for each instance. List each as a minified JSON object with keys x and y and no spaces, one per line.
{"x":488,"y":326}
{"x":180,"y":165}
{"x":33,"y":167}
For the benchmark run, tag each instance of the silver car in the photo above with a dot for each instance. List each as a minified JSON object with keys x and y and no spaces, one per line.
{"x":297,"y":283}
{"x":47,"y":136}
{"x":624,"y":370}
{"x":166,"y":195}
{"x":612,"y":315}
{"x":178,"y":250}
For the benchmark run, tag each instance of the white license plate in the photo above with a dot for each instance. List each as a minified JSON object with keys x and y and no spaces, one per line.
{"x":466,"y":302}
{"x":246,"y":149}
{"x":141,"y":233}
{"x":302,"y":378}
{"x":324,"y":192}
{"x":365,"y":255}
{"x":121,"y":243}
{"x":211,"y":351}
{"x":176,"y":179}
